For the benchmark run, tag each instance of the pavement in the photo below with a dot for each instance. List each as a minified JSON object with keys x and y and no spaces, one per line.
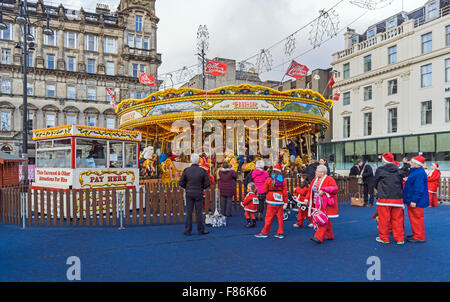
{"x":229,"y":254}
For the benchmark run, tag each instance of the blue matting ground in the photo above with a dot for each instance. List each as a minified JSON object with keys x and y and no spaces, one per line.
{"x":162,"y":253}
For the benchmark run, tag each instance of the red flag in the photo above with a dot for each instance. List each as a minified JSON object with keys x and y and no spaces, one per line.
{"x":146,"y":79}
{"x":111,"y":93}
{"x":297,"y":71}
{"x":337,"y":96}
{"x":216,"y":68}
{"x":331,"y":82}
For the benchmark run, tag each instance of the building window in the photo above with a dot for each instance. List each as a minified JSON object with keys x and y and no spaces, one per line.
{"x":6,"y":86}
{"x":147,"y":44}
{"x":109,"y":99}
{"x":427,"y":43}
{"x":432,"y":10}
{"x":426,"y":75}
{"x":91,"y":121}
{"x":347,"y":98}
{"x":50,"y":90}
{"x":135,"y":70}
{"x":6,"y":121}
{"x":30,"y":59}
{"x":50,"y":61}
{"x":371,"y":32}
{"x":139,"y":95}
{"x":70,"y":63}
{"x":6,"y":56}
{"x":426,"y":113}
{"x":29,"y":88}
{"x":367,"y":93}
{"x":392,"y":120}
{"x":392,"y":87}
{"x":346,"y":71}
{"x":71,"y":119}
{"x":91,"y":93}
{"x":91,"y":66}
{"x":368,"y":63}
{"x":368,"y":124}
{"x":51,"y":40}
{"x":392,"y":54}
{"x":391,"y":23}
{"x":71,"y":40}
{"x":142,"y":68}
{"x":110,"y":122}
{"x":110,"y":68}
{"x":139,"y":44}
{"x":131,"y":42}
{"x":346,"y":126}
{"x":447,"y":70}
{"x":110,"y":45}
{"x":8,"y":33}
{"x":50,"y":120}
{"x":91,"y":43}
{"x":131,"y":94}
{"x":447,"y":110}
{"x":138,"y":23}
{"x":447,"y":29}
{"x":71,"y":92}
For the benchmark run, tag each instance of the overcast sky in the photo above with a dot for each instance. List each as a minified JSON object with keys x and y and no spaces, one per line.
{"x":239,"y":29}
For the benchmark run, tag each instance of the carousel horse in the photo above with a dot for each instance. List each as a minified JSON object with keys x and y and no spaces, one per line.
{"x":231,"y":159}
{"x":284,"y":159}
{"x":169,"y":173}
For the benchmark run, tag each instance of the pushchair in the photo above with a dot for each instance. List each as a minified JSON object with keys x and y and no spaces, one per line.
{"x":291,"y":207}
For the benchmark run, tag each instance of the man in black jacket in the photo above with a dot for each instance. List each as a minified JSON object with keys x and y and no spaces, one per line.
{"x":356,"y":169}
{"x":310,"y":170}
{"x":194,"y":180}
{"x":366,"y":173}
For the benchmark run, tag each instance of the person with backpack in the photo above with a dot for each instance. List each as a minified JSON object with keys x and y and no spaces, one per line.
{"x":322,"y":196}
{"x":275,"y":188}
{"x":259,"y":177}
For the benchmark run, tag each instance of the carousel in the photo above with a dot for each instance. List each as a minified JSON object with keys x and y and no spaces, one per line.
{"x":164,"y":116}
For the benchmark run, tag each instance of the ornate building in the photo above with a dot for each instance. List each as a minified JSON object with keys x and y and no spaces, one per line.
{"x":69,"y":71}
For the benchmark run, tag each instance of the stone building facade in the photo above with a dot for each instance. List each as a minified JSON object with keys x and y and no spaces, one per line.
{"x":69,"y":72}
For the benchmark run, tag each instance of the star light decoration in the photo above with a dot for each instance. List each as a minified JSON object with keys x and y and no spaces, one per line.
{"x":264,"y":61}
{"x":185,"y":74}
{"x":371,"y":4}
{"x":289,"y":46}
{"x":327,"y":25}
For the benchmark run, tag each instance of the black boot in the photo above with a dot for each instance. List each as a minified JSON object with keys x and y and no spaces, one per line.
{"x":249,"y":223}
{"x":253,"y":223}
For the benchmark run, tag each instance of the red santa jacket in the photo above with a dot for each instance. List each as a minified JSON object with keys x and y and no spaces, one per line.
{"x":250,"y":202}
{"x":328,"y":185}
{"x":301,"y":193}
{"x":275,"y":196}
{"x":434,"y":180}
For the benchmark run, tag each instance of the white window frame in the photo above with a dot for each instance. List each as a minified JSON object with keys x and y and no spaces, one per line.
{"x":390,"y":120}
{"x":447,"y":70}
{"x":344,"y":98}
{"x":110,"y":45}
{"x":109,"y":65}
{"x":74,"y":116}
{"x":88,"y":119}
{"x":10,"y":30}
{"x":139,"y":25}
{"x":426,"y":107}
{"x":367,"y":122}
{"x":74,"y":64}
{"x":110,"y":120}
{"x":6,"y":56}
{"x":88,"y":41}
{"x":47,"y":119}
{"x":422,"y":74}
{"x":6,"y":86}
{"x":54,"y":39}
{"x":7,"y":115}
{"x":71,"y":92}
{"x":390,"y":91}
{"x":427,"y":42}
{"x":91,"y":94}
{"x":67,"y":39}
{"x":30,"y":88}
{"x":94,"y":69}
{"x":366,"y":91}
{"x":346,"y":72}
{"x":346,"y":131}
{"x":47,"y":90}
{"x":47,"y":61}
{"x":392,"y":54}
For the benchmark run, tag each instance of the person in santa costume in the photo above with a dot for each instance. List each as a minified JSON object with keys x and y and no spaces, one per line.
{"x":389,"y":186}
{"x":323,"y":188}
{"x":415,"y":196}
{"x":434,"y":178}
{"x":301,"y":195}
{"x":275,"y":188}
{"x":250,"y":205}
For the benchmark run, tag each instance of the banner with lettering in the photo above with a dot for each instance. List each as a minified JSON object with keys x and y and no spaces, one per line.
{"x":146,"y":79}
{"x":297,"y":71}
{"x":216,"y":68}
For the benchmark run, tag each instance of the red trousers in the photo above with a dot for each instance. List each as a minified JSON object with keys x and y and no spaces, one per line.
{"x":325,"y":231}
{"x":433,"y":199}
{"x":301,"y":217}
{"x":391,"y":217}
{"x":249,"y":214}
{"x":417,"y":220}
{"x":272,"y":212}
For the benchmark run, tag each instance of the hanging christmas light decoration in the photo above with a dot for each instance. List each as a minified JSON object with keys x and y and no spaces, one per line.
{"x":245,"y":66}
{"x":371,"y":4}
{"x":289,"y":46}
{"x":264,"y":61}
{"x":185,"y":74}
{"x":327,"y":25}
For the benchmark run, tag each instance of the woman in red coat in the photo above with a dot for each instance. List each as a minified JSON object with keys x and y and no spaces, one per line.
{"x":275,"y":188}
{"x":323,"y":185}
{"x":434,"y":178}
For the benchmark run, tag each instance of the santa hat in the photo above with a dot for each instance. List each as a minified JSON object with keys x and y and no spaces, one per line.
{"x":436,"y":165}
{"x":388,"y":157}
{"x":420,"y":160}
{"x":277,"y":168}
{"x":396,"y":163}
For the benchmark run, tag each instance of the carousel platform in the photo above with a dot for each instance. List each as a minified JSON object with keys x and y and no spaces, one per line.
{"x":163,"y":254}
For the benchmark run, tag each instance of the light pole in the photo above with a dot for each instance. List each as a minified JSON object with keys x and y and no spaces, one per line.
{"x":169,"y":76}
{"x":27,"y":44}
{"x":202,"y":47}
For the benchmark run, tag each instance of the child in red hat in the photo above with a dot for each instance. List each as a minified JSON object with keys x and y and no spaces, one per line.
{"x":434,"y":178}
{"x":250,"y":205}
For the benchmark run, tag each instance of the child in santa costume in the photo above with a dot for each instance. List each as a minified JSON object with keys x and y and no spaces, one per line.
{"x":275,"y":188}
{"x":389,"y":186}
{"x":301,"y":195}
{"x":415,"y":196}
{"x":250,"y":205}
{"x":434,"y":178}
{"x":323,"y":193}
